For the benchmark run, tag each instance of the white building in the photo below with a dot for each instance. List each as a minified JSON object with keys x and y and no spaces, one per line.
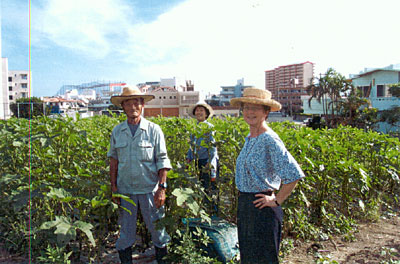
{"x":18,"y":85}
{"x":2,"y":103}
{"x":14,"y":85}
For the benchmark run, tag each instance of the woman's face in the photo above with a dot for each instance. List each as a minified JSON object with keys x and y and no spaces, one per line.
{"x":254,"y":114}
{"x":200,"y":113}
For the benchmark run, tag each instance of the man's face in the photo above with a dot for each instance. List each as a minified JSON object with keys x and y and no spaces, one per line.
{"x":132,"y":108}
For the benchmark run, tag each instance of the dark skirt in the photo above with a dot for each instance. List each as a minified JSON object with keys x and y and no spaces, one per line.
{"x":259,"y":231}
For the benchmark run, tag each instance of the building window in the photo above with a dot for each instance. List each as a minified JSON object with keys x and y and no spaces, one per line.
{"x":10,"y":79}
{"x":380,"y":90}
{"x":23,"y":95}
{"x":10,"y":88}
{"x":24,"y":85}
{"x":24,"y":76}
{"x":10,"y":97}
{"x":363,"y":90}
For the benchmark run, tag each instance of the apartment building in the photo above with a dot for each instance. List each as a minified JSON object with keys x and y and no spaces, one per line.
{"x":288,"y":83}
{"x":18,"y":85}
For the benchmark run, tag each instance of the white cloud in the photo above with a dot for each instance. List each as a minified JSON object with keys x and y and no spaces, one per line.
{"x":215,"y":43}
{"x":89,"y":26}
{"x":222,"y":41}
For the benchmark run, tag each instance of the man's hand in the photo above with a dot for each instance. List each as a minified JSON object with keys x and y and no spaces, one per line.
{"x":113,"y":179}
{"x":159,"y":197}
{"x":116,"y":200}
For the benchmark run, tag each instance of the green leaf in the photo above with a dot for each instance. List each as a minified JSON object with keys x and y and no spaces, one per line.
{"x":86,"y":228}
{"x":58,"y":193}
{"x":17,"y":144}
{"x":361,"y":204}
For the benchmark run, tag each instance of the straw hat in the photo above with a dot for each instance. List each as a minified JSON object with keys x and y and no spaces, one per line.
{"x":201,"y":103}
{"x":130,"y":93}
{"x":257,"y":96}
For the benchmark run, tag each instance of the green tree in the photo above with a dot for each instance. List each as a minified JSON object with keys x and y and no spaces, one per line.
{"x":394,"y":89}
{"x":29,"y":107}
{"x":392,"y":115}
{"x":332,"y":85}
{"x":357,"y":111}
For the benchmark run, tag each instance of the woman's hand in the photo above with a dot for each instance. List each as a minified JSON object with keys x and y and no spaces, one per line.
{"x":265,"y":201}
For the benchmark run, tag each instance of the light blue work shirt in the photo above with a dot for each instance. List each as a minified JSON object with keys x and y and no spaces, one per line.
{"x":197,"y":151}
{"x":139,"y":157}
{"x":264,"y":163}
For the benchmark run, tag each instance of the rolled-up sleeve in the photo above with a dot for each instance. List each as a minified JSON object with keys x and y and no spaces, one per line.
{"x":112,"y":152}
{"x":162,"y":160}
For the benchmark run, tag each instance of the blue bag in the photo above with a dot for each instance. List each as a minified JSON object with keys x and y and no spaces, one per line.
{"x":225,"y":244}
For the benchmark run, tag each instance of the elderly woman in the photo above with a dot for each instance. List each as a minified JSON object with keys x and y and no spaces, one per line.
{"x":206,"y":157}
{"x":263,"y":167}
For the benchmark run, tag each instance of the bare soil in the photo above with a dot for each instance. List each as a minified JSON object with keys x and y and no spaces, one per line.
{"x":373,"y":243}
{"x":377,"y":242}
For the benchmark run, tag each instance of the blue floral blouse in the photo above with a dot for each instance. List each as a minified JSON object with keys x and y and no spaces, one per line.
{"x":264,"y":163}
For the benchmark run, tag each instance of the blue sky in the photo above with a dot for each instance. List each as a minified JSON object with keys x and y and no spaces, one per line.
{"x":211,"y":42}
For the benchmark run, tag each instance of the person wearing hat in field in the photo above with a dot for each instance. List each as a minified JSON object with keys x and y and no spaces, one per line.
{"x":263,"y":167}
{"x":206,"y":158}
{"x":138,"y":169}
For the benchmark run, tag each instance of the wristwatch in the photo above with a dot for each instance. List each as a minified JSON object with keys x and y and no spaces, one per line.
{"x":163,"y":185}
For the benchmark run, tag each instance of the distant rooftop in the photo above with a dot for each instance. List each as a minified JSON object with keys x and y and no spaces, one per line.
{"x":366,"y":71}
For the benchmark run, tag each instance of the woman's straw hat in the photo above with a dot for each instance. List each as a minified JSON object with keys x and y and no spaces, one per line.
{"x":203,"y":104}
{"x":130,"y":93}
{"x":257,"y":96}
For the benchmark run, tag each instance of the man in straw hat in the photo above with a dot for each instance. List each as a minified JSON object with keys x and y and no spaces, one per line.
{"x":263,"y":167}
{"x":138,"y":169}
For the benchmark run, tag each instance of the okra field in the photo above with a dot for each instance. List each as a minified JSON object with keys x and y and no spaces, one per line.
{"x":55,"y":191}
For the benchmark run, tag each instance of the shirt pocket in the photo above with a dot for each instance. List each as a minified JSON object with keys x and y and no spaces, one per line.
{"x":122,"y":150}
{"x":146,"y":151}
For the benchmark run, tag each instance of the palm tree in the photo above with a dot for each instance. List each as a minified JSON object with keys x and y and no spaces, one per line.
{"x":333,"y":85}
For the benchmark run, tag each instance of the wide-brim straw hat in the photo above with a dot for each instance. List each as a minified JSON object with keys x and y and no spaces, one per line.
{"x":203,"y":104}
{"x":257,"y":96}
{"x":129,"y":92}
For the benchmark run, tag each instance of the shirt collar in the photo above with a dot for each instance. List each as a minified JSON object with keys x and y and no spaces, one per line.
{"x":142,"y":125}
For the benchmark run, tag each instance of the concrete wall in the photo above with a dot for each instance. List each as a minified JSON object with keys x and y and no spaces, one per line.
{"x":174,"y":111}
{"x":4,"y":99}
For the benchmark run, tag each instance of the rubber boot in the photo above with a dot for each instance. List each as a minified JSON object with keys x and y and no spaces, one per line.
{"x":125,"y":255}
{"x":160,"y":253}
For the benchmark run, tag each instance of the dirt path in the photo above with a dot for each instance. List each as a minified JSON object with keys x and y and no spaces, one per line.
{"x":374,"y":243}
